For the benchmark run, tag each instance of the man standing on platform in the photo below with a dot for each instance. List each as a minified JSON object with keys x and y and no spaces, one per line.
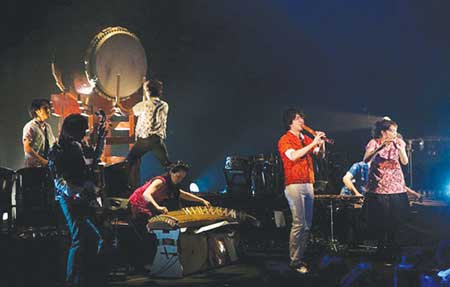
{"x":295,"y":150}
{"x":150,"y":129}
{"x":37,"y":135}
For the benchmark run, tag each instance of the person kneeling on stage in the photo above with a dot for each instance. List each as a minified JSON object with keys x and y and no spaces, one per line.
{"x":76,"y":194}
{"x":159,"y":195}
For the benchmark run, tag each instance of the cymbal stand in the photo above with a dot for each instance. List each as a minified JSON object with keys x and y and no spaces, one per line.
{"x":333,"y":242}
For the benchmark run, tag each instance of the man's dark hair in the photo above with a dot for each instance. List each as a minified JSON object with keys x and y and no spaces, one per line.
{"x":382,"y":125}
{"x":156,"y":88}
{"x":74,"y":127}
{"x":36,"y":104}
{"x":289,"y":116}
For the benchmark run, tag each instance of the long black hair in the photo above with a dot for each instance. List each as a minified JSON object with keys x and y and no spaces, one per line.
{"x":172,"y":188}
{"x":74,"y":127}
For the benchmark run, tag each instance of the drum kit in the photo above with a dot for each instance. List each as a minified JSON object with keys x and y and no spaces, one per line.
{"x":254,"y":176}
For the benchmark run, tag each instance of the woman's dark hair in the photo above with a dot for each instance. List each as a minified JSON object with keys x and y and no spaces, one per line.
{"x":74,"y":127}
{"x":178,"y":166}
{"x":173,"y":189}
{"x":36,"y":104}
{"x":289,"y":116}
{"x":156,"y":88}
{"x":382,"y":125}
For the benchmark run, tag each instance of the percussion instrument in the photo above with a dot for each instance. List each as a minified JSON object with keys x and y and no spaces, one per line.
{"x":237,"y":163}
{"x":194,"y":239}
{"x":7,"y":177}
{"x":35,"y":197}
{"x":116,"y":51}
{"x":429,"y":203}
{"x":265,"y":176}
{"x":337,"y":197}
{"x":334,"y":202}
{"x":259,"y":175}
{"x":116,"y":178}
{"x":265,"y":158}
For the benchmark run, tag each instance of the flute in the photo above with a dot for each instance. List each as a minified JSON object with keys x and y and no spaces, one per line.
{"x":313,"y":133}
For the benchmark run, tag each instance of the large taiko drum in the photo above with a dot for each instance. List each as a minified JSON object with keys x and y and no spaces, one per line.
{"x":116,"y":51}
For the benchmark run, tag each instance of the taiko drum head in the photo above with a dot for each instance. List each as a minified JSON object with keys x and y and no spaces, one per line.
{"x":116,"y":51}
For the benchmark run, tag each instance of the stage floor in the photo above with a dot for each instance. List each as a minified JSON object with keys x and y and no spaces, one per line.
{"x":39,"y":262}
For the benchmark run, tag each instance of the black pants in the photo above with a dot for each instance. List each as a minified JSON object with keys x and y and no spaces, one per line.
{"x":385,"y":214}
{"x":144,"y":248}
{"x":153,"y":143}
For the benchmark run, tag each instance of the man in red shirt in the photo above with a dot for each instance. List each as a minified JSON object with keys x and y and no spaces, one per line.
{"x":295,"y":150}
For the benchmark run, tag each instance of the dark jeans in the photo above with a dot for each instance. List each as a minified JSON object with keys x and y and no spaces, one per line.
{"x":83,"y":265}
{"x":153,"y":143}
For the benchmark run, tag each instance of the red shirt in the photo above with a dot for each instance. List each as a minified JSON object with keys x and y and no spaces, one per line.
{"x":300,"y":170}
{"x":139,"y":204}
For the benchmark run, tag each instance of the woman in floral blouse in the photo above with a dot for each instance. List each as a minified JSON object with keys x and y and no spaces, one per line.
{"x":386,"y":198}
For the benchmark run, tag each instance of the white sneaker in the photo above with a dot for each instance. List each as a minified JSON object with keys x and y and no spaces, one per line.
{"x":302,"y":269}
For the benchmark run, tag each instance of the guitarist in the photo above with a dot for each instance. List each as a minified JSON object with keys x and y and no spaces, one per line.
{"x":69,"y":162}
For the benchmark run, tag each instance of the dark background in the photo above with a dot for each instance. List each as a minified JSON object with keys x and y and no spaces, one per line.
{"x":231,"y":67}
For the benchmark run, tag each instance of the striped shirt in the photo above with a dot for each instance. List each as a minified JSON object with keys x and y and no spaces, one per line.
{"x":152,"y":118}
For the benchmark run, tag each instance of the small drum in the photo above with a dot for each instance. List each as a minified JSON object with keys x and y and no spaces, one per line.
{"x":114,"y":52}
{"x":237,"y":163}
{"x":35,"y":197}
{"x":265,"y":175}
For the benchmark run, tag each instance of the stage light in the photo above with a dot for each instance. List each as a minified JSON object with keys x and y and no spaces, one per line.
{"x":193,"y":187}
{"x":5,"y":216}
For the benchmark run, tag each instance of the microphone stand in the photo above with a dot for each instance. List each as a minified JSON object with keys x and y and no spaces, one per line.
{"x":409,"y":152}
